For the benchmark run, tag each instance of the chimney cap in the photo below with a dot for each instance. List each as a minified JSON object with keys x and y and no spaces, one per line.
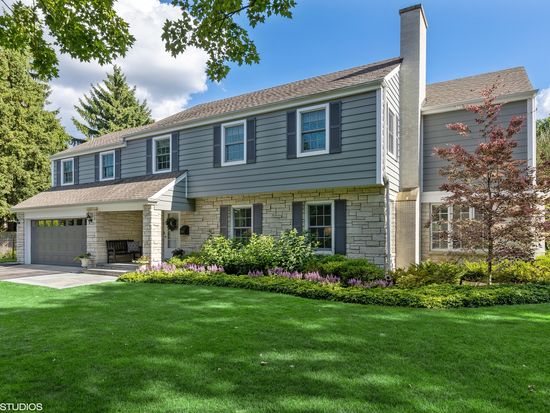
{"x":415,"y":7}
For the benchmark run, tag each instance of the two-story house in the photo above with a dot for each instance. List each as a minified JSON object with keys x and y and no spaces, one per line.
{"x":346,"y":156}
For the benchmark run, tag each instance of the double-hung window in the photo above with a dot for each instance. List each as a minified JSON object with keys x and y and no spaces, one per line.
{"x":107,"y":165}
{"x":242,"y":222}
{"x":320,"y":224}
{"x":162,"y":151}
{"x":67,"y":171}
{"x":234,"y":143}
{"x":441,"y":226}
{"x":313,"y":130}
{"x":392,"y":133}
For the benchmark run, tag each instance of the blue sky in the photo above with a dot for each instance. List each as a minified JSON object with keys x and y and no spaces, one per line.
{"x":464,"y":37}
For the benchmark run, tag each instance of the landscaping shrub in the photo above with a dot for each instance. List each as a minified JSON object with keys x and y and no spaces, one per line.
{"x":432,"y":296}
{"x":427,"y":273}
{"x":346,"y":268}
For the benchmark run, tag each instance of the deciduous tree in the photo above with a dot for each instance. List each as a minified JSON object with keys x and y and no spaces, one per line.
{"x":507,"y":201}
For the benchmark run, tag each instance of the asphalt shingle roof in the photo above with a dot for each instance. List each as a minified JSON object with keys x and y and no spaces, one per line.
{"x":509,"y":81}
{"x":129,"y":189}
{"x":302,"y":88}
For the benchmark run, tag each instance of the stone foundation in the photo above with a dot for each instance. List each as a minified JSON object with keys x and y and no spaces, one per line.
{"x":366,"y":217}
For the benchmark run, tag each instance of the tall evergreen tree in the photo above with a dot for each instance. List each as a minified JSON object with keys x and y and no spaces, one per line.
{"x":111,"y":106}
{"x":29,"y":133}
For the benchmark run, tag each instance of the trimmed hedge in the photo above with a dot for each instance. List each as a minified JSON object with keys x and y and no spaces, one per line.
{"x":433,"y":296}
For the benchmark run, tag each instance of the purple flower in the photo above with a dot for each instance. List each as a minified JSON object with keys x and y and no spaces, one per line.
{"x":195,"y":267}
{"x":255,"y":273}
{"x":354,"y":282}
{"x":215,"y":268}
{"x":163,"y":266}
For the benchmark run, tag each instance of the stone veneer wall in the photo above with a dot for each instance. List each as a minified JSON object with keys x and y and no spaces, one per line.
{"x":20,"y":239}
{"x":152,"y":233}
{"x":366,"y":217}
{"x":112,"y":226}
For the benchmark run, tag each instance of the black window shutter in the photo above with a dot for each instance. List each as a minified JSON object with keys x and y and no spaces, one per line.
{"x":96,"y":166}
{"x":224,"y":220}
{"x":217,"y":146}
{"x":149,"y":156}
{"x":257,"y":218}
{"x":335,"y":127}
{"x":291,"y":134}
{"x":251,"y":140}
{"x":340,"y":226}
{"x":58,"y":173}
{"x":175,"y":151}
{"x":297,"y":216}
{"x":118,"y":162}
{"x":76,"y":170}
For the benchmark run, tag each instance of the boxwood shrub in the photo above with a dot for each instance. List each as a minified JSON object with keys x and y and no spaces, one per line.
{"x":432,"y":296}
{"x":345,"y":268}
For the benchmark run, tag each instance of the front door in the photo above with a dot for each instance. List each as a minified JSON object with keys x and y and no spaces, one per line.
{"x":171,"y":233}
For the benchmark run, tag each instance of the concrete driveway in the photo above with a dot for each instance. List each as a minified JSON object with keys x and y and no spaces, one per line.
{"x":50,"y":276}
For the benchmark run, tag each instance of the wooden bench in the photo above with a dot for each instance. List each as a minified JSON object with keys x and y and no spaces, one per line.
{"x":119,"y":248}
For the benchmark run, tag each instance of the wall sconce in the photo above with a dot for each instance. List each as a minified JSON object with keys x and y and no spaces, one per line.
{"x":90,"y":218}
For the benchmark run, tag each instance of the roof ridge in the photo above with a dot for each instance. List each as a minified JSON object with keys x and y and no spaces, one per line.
{"x":479,"y":74}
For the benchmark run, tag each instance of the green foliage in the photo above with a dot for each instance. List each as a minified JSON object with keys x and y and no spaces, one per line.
{"x":29,"y":133}
{"x":433,"y":296}
{"x":85,"y":29}
{"x":215,"y":26}
{"x":290,"y":251}
{"x":346,"y":268}
{"x":427,"y":273}
{"x":111,"y":106}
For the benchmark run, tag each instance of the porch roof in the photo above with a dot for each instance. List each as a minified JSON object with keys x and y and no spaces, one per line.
{"x":140,"y":188}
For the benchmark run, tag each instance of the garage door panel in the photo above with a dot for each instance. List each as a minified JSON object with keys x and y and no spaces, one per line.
{"x":57,"y":241}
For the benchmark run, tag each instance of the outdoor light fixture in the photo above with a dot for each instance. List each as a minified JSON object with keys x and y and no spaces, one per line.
{"x":90,"y":218}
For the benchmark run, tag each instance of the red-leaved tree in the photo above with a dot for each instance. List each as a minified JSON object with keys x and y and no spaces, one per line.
{"x":508,"y":203}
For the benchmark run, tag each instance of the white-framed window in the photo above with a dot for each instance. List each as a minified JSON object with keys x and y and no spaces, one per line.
{"x":107,"y":165}
{"x":162,"y":154}
{"x":312,"y":130}
{"x":234,"y":143}
{"x":392,"y":132}
{"x":67,"y":171}
{"x":320,"y":225}
{"x":241,"y":222}
{"x":441,"y":226}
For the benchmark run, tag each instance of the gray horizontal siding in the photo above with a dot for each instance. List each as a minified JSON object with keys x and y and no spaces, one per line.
{"x":437,"y":134}
{"x":133,"y":159}
{"x":175,"y":200}
{"x":87,"y":169}
{"x":355,"y":165}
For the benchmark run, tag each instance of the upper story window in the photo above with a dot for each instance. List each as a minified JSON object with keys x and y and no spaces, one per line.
{"x":234,"y":143}
{"x":107,"y":165}
{"x":162,"y":150}
{"x":392,"y":132}
{"x":242,"y":222}
{"x":319,"y":222}
{"x":442,"y":225}
{"x":67,"y":171}
{"x":312,"y":130}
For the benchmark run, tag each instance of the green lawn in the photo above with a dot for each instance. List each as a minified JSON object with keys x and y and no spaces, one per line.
{"x":173,"y":348}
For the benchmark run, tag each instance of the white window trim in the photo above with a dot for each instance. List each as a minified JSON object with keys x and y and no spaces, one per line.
{"x":228,"y":125}
{"x":154,"y":154}
{"x":299,"y":152}
{"x":101,"y":177}
{"x":52,"y":170}
{"x":395,"y":131}
{"x":62,"y":175}
{"x":232,"y":224}
{"x":317,"y":251}
{"x":450,"y":211}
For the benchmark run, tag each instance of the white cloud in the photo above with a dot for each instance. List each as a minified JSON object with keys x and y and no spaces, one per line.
{"x":543,"y":103}
{"x":166,"y":82}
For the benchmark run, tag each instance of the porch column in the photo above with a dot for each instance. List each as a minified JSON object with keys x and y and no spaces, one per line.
{"x":95,"y":244}
{"x":152,"y":233}
{"x":20,"y":239}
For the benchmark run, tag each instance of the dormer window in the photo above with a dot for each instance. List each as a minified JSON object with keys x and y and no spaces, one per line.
{"x":67,"y":171}
{"x":313,"y":130}
{"x":162,"y":150}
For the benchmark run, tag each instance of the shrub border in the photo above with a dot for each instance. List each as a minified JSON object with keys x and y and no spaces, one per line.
{"x":434,"y":296}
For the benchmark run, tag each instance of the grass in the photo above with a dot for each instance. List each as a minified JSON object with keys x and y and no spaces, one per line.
{"x":173,"y":348}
